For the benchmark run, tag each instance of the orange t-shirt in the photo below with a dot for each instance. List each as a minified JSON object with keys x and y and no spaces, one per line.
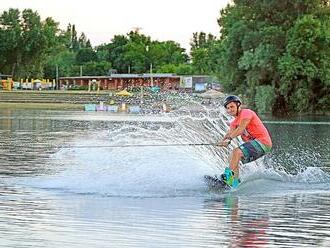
{"x":254,"y":130}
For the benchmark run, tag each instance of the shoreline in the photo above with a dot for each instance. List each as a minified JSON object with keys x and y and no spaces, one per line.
{"x":42,"y":106}
{"x":76,"y":100}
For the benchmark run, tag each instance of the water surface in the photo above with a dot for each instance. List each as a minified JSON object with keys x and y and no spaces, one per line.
{"x":76,"y":179}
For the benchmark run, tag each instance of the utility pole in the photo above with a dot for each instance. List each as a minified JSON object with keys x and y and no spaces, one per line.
{"x":151,"y":78}
{"x":57,"y":83}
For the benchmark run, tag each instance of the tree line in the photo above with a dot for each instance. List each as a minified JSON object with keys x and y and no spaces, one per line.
{"x":275,"y":53}
{"x":32,"y":47}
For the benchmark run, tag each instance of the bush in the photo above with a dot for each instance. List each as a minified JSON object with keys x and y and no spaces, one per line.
{"x":300,"y":100}
{"x":264,"y":98}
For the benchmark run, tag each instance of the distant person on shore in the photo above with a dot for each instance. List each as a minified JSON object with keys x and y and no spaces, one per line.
{"x":257,"y":141}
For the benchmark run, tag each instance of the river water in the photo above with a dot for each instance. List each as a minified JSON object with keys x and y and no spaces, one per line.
{"x":78,"y":179}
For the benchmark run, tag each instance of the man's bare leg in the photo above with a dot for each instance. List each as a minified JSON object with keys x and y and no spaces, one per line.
{"x":236,"y":156}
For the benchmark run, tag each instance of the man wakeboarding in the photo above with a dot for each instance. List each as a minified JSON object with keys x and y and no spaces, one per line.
{"x":257,"y":141}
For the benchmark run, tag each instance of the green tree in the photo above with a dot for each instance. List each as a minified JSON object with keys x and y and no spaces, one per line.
{"x":305,"y":65}
{"x":25,"y":42}
{"x":202,"y":53}
{"x":96,"y":68}
{"x":10,"y":38}
{"x":166,"y":52}
{"x":85,"y":55}
{"x":84,"y":42}
{"x":135,"y":53}
{"x":283,"y":45}
{"x":114,"y":52}
{"x":64,"y":61}
{"x":180,"y":69}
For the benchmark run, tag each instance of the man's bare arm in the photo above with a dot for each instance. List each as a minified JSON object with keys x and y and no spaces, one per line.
{"x":232,"y":133}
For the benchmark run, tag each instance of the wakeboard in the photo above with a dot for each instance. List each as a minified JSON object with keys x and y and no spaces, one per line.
{"x":216,"y":183}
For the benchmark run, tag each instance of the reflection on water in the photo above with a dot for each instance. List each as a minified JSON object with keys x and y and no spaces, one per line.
{"x":65,"y":183}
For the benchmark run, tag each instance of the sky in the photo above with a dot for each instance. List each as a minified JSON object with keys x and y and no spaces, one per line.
{"x":100,"y":20}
